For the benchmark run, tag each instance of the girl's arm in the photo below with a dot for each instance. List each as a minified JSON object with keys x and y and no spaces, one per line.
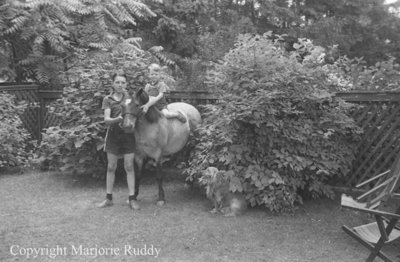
{"x":110,"y":120}
{"x":153,"y":99}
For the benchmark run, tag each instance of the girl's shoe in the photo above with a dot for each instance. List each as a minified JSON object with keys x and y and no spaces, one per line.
{"x":105,"y":203}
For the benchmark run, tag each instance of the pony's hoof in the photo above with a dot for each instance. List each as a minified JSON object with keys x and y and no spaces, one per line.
{"x":160,"y":203}
{"x":213,"y":211}
{"x":133,"y":204}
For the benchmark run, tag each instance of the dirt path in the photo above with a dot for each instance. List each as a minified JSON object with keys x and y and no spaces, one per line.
{"x":55,"y":215}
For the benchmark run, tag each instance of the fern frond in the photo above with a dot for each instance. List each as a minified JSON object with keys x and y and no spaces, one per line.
{"x":4,"y":7}
{"x":165,"y":59}
{"x":18,"y":24}
{"x":139,"y":9}
{"x":135,"y":9}
{"x":41,"y":75}
{"x":73,"y":6}
{"x":38,"y":46}
{"x":157,"y":52}
{"x":134,"y":40}
{"x":85,"y":8}
{"x":56,"y":42}
{"x":60,"y":15}
{"x":118,"y":14}
{"x":127,"y":16}
{"x":100,"y":16}
{"x":27,"y":34}
{"x":37,"y":4}
{"x":30,"y":60}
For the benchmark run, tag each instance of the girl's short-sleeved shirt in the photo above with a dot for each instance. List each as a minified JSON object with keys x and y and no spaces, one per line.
{"x":114,"y":105}
{"x":154,"y":90}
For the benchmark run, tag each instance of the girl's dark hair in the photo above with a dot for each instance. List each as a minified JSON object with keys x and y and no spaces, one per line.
{"x":119,"y":73}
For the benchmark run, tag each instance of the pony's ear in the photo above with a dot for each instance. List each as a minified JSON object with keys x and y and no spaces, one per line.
{"x":142,"y":96}
{"x":139,"y":92}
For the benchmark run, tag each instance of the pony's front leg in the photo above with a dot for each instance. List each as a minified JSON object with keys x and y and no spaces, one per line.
{"x":139,"y":168}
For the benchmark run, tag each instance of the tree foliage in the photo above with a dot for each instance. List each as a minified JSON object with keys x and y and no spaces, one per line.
{"x":196,"y":32}
{"x":355,"y":74}
{"x":360,"y":28}
{"x":39,"y":38}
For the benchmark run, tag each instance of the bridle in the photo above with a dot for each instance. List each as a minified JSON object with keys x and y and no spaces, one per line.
{"x":134,"y":114}
{"x":127,"y":113}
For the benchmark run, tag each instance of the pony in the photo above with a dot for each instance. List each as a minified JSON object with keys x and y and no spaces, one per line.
{"x":156,"y":136}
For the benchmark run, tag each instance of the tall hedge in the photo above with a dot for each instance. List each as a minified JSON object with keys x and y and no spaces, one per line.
{"x":277,"y":126}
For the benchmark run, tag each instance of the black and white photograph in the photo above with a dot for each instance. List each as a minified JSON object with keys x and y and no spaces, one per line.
{"x":200,"y":130}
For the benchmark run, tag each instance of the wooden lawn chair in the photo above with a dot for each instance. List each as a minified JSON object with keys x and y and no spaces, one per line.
{"x":383,"y":202}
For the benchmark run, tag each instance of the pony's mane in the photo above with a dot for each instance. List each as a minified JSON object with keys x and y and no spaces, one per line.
{"x":153,"y":114}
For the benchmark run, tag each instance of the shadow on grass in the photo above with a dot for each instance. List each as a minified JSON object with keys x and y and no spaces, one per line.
{"x":148,"y":177}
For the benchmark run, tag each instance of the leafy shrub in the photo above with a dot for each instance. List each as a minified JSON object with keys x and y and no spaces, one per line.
{"x":16,"y":144}
{"x":276,"y":127}
{"x":354,"y":74}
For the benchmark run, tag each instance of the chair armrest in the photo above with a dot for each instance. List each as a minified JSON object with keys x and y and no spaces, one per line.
{"x":374,"y":212}
{"x":349,"y":202}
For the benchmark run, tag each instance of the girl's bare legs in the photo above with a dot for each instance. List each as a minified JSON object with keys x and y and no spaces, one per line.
{"x":112,"y":161}
{"x":178,"y":115}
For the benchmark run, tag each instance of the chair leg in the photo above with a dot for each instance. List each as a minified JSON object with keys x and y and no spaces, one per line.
{"x":374,"y":250}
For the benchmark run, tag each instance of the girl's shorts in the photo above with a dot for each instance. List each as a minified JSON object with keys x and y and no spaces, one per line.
{"x":118,"y":142}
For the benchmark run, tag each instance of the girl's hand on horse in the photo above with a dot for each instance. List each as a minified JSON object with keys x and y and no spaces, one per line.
{"x":144,"y":108}
{"x":119,"y":120}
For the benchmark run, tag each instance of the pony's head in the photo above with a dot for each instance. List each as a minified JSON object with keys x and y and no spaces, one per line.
{"x":131,"y":110}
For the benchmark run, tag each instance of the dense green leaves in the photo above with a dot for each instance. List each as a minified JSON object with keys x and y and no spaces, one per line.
{"x":277,"y":127}
{"x":40,"y":38}
{"x":16,"y":143}
{"x":366,"y":28}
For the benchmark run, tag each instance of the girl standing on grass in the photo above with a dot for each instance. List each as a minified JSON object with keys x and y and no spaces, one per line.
{"x":118,"y":143}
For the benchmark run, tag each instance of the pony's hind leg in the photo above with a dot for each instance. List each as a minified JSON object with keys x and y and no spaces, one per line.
{"x":157,"y":157}
{"x":160,"y":176}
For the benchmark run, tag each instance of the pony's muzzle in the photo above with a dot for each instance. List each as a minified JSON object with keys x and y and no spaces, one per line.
{"x":127,"y":129}
{"x":127,"y":125}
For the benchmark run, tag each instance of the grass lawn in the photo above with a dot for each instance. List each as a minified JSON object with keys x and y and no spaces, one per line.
{"x":56,"y":213}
